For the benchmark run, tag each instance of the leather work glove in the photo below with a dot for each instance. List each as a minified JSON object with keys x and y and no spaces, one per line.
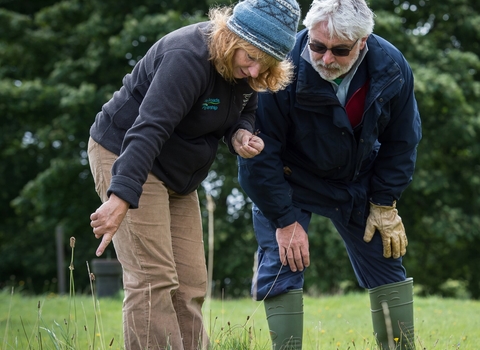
{"x":386,"y":220}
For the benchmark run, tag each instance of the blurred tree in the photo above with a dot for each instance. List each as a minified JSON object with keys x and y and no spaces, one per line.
{"x":441,"y":208}
{"x":61,"y":60}
{"x":57,"y":67}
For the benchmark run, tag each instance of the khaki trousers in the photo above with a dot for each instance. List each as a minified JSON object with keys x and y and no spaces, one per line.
{"x":160,"y":246}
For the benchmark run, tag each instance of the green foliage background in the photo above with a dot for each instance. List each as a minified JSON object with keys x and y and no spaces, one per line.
{"x":61,"y":60}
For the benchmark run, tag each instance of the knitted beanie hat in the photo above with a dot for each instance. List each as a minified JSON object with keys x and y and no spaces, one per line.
{"x":270,"y":25}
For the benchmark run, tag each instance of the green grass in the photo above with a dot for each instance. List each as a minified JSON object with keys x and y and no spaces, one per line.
{"x":332,"y":322}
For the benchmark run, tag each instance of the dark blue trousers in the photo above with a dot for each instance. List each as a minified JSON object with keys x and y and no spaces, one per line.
{"x":272,"y":278}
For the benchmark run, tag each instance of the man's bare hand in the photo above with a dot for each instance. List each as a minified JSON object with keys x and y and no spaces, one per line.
{"x":107,"y":219}
{"x":293,"y":246}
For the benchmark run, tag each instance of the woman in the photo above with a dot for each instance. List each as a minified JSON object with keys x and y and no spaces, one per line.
{"x":154,"y":142}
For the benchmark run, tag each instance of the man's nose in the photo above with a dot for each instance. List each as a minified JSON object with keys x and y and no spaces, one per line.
{"x":328,"y":57}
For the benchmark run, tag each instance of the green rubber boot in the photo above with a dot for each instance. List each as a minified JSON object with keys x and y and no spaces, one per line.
{"x":392,"y":315}
{"x":285,"y":320}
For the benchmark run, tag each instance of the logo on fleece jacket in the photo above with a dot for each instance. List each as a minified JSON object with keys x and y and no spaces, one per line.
{"x":211,"y":104}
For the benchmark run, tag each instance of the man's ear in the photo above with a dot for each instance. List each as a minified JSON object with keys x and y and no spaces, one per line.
{"x":363,"y":42}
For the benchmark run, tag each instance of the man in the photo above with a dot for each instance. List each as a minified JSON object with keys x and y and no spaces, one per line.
{"x":340,"y":142}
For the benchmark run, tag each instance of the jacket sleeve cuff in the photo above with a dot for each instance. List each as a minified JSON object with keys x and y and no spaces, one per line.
{"x":382,"y":199}
{"x":285,"y":220}
{"x":126,"y":189}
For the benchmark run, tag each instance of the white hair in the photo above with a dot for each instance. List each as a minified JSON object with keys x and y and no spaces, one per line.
{"x":345,"y":19}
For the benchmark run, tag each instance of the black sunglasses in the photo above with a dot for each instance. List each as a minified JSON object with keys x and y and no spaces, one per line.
{"x":336,"y":51}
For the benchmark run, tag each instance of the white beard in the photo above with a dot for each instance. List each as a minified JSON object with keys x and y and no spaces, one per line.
{"x":334,"y":70}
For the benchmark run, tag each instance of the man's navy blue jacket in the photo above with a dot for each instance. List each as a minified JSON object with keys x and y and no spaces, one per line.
{"x":313,"y":158}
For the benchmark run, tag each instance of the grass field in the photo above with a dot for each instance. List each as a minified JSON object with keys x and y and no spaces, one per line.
{"x":331,"y":322}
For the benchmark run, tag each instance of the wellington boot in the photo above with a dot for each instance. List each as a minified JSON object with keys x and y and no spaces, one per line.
{"x":392,"y":315}
{"x":285,"y":320}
